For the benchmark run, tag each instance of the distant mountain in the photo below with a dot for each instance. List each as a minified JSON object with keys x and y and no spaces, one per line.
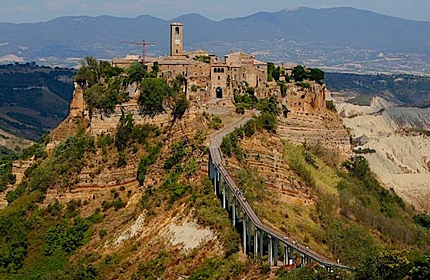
{"x":33,"y":100}
{"x":346,"y":38}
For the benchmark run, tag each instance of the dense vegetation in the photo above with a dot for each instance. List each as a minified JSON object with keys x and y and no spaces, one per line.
{"x":105,"y":87}
{"x":364,"y":207}
{"x":407,"y":89}
{"x":6,"y":176}
{"x":35,"y":98}
{"x":355,"y":218}
{"x":58,"y":169}
{"x":265,"y":121}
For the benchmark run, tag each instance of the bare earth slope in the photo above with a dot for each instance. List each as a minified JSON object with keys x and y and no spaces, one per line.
{"x":402,"y":158}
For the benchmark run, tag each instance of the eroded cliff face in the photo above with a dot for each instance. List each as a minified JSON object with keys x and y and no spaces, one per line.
{"x":176,"y":229}
{"x":402,"y":152}
{"x":309,"y":121}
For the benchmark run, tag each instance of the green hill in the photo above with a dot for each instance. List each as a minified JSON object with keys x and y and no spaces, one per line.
{"x":33,"y":99}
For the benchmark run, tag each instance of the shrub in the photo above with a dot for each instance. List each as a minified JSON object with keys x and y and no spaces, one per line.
{"x":147,"y":161}
{"x":216,"y":123}
{"x":240,"y":109}
{"x":267,"y":121}
{"x":423,"y":220}
{"x":64,"y":237}
{"x":303,"y":84}
{"x":153,"y":92}
{"x":118,"y":204}
{"x":330,"y":105}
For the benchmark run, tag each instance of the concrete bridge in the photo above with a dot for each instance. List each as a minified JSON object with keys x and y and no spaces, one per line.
{"x":257,"y":238}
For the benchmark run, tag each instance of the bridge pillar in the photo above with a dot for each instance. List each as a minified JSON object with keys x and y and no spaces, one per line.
{"x":261,"y":243}
{"x":234,"y":212}
{"x":275,"y":254}
{"x":223,"y":194}
{"x":286,"y":255}
{"x":215,"y":182}
{"x":218,"y":182}
{"x":228,"y":197}
{"x":249,"y":233}
{"x":244,"y":233}
{"x":291,"y":258}
{"x":256,"y":241}
{"x":302,"y":262}
{"x":270,"y":249}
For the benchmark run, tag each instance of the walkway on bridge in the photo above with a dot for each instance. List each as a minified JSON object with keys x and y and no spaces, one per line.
{"x":257,"y":237}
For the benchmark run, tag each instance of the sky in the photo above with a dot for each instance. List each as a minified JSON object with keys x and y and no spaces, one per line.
{"x":26,"y":11}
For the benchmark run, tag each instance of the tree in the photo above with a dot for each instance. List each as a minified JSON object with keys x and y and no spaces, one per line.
{"x":270,"y":69}
{"x":178,"y":83}
{"x":180,"y":107}
{"x":269,"y":105}
{"x":267,"y":121}
{"x":299,"y":73}
{"x":124,"y":131}
{"x":357,"y":166}
{"x":137,"y":72}
{"x":316,"y":74}
{"x":89,"y":72}
{"x":153,"y":91}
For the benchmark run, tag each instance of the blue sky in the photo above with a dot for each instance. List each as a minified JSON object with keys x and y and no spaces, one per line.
{"x":18,"y":11}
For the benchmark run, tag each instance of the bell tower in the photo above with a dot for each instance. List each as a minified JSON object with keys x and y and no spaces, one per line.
{"x":176,"y":38}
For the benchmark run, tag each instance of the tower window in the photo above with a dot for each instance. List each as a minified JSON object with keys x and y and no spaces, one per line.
{"x":177,"y":30}
{"x":177,"y":51}
{"x":219,"y":78}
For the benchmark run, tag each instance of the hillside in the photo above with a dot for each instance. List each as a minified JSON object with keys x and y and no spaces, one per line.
{"x":399,"y":138}
{"x":122,"y":192}
{"x":33,"y":99}
{"x":406,"y":90}
{"x":315,"y":37}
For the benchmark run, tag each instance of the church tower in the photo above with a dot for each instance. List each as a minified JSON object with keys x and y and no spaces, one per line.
{"x":176,"y":38}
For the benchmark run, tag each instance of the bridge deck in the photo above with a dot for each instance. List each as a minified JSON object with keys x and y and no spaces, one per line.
{"x":217,"y":161}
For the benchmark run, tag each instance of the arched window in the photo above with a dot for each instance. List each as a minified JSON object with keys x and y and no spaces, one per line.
{"x":215,"y":70}
{"x":222,"y":70}
{"x":177,"y":30}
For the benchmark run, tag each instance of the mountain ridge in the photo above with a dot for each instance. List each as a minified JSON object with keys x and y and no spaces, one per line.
{"x":306,"y":34}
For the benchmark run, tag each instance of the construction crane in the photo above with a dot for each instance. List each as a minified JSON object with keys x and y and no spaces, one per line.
{"x":144,"y":44}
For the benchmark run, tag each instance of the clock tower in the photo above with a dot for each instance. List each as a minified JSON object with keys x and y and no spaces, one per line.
{"x":176,"y":38}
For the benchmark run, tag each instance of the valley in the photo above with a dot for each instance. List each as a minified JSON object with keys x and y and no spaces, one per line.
{"x":123,"y":187}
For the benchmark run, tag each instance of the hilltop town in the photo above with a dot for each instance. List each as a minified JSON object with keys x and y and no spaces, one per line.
{"x":124,"y":189}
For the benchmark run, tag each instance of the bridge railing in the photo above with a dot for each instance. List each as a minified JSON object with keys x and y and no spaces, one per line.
{"x":240,"y":210}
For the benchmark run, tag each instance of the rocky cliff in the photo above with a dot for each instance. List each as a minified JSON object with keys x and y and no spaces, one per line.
{"x":171,"y":211}
{"x":402,"y":148}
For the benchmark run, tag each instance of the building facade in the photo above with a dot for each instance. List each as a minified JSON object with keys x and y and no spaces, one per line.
{"x":208,"y":76}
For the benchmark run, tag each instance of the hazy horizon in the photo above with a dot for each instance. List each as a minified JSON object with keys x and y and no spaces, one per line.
{"x":23,"y":11}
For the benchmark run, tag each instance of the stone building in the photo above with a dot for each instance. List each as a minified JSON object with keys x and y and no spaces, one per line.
{"x":208,"y":76}
{"x":176,"y":39}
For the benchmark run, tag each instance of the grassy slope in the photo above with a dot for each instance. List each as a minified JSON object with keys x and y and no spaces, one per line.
{"x":347,"y":217}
